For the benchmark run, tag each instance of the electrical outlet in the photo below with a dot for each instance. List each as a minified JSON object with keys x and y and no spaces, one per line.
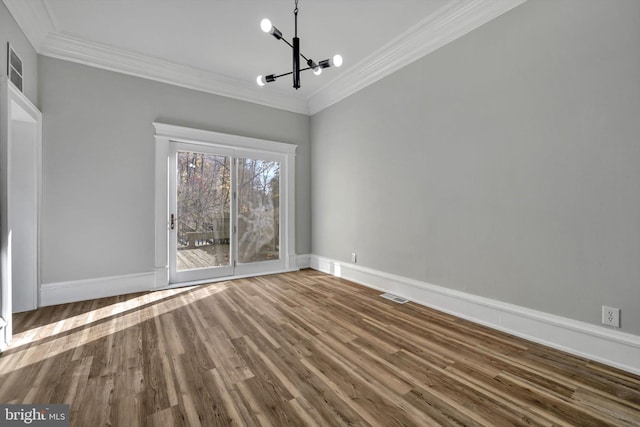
{"x":611,"y":316}
{"x":354,"y":257}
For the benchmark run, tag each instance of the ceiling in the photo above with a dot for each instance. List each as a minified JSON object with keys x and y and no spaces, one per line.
{"x":217,"y":45}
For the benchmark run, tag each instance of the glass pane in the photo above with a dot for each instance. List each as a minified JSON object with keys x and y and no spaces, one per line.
{"x":203,"y":210}
{"x":258,"y":210}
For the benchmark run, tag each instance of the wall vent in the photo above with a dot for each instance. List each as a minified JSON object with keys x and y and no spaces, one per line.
{"x":14,"y":67}
{"x":395,"y":298}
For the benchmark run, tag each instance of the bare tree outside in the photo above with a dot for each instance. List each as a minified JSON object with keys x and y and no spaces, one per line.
{"x":204,"y":197}
{"x":204,"y":200}
{"x":258,"y":210}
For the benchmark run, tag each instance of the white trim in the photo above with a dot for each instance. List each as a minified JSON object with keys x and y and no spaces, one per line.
{"x":303,"y":261}
{"x":88,"y":289}
{"x":222,"y":140}
{"x":16,"y":107}
{"x":450,"y":22}
{"x":161,"y":225}
{"x":69,"y":48}
{"x":612,"y":347}
{"x":3,"y":342}
{"x":161,"y":277}
{"x":33,"y":18}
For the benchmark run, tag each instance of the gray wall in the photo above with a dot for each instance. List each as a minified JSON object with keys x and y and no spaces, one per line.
{"x":98,"y":163}
{"x":506,"y":164}
{"x":11,"y":32}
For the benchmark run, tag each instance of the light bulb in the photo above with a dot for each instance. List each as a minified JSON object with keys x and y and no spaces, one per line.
{"x":265,"y":25}
{"x":337,"y":60}
{"x":261,"y":81}
{"x":317,"y":71}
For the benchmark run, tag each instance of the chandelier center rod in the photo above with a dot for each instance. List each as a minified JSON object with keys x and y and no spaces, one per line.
{"x":295,"y":14}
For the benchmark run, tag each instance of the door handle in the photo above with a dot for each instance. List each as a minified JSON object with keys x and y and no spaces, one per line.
{"x":172,"y":222}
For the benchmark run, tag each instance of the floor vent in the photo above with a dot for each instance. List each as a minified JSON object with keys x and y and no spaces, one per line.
{"x":395,"y":298}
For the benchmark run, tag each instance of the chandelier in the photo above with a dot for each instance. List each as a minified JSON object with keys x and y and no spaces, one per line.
{"x":267,"y":27}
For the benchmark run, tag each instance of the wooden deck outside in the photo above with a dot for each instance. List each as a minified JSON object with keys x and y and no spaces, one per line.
{"x":216,"y":255}
{"x":202,"y":257}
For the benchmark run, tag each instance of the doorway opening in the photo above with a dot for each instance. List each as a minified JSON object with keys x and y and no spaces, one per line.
{"x":20,"y":193}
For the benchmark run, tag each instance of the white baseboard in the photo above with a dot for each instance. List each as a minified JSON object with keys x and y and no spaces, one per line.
{"x":161,"y":277}
{"x":303,"y":261}
{"x":82,"y":290}
{"x":611,"y":347}
{"x":3,"y":339}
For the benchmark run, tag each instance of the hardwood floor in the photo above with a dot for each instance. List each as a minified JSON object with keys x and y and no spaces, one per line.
{"x":297,"y":349}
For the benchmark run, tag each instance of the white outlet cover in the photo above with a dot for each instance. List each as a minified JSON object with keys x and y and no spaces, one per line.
{"x":611,"y":316}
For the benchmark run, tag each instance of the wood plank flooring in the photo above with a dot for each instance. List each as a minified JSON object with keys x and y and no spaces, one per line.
{"x":297,"y":349}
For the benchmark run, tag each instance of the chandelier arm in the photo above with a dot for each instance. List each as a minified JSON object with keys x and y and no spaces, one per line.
{"x":285,"y":74}
{"x":277,"y":76}
{"x":305,"y":58}
{"x":287,"y":42}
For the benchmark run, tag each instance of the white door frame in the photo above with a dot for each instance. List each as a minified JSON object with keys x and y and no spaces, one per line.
{"x":16,"y":110}
{"x":241,"y":146}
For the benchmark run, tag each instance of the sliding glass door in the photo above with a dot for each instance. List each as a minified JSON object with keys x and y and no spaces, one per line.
{"x":258,"y":210}
{"x":224,"y":214}
{"x":201,"y":210}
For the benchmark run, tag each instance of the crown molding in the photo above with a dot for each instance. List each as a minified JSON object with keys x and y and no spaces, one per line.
{"x":33,"y":18}
{"x":450,"y":22}
{"x":63,"y":46}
